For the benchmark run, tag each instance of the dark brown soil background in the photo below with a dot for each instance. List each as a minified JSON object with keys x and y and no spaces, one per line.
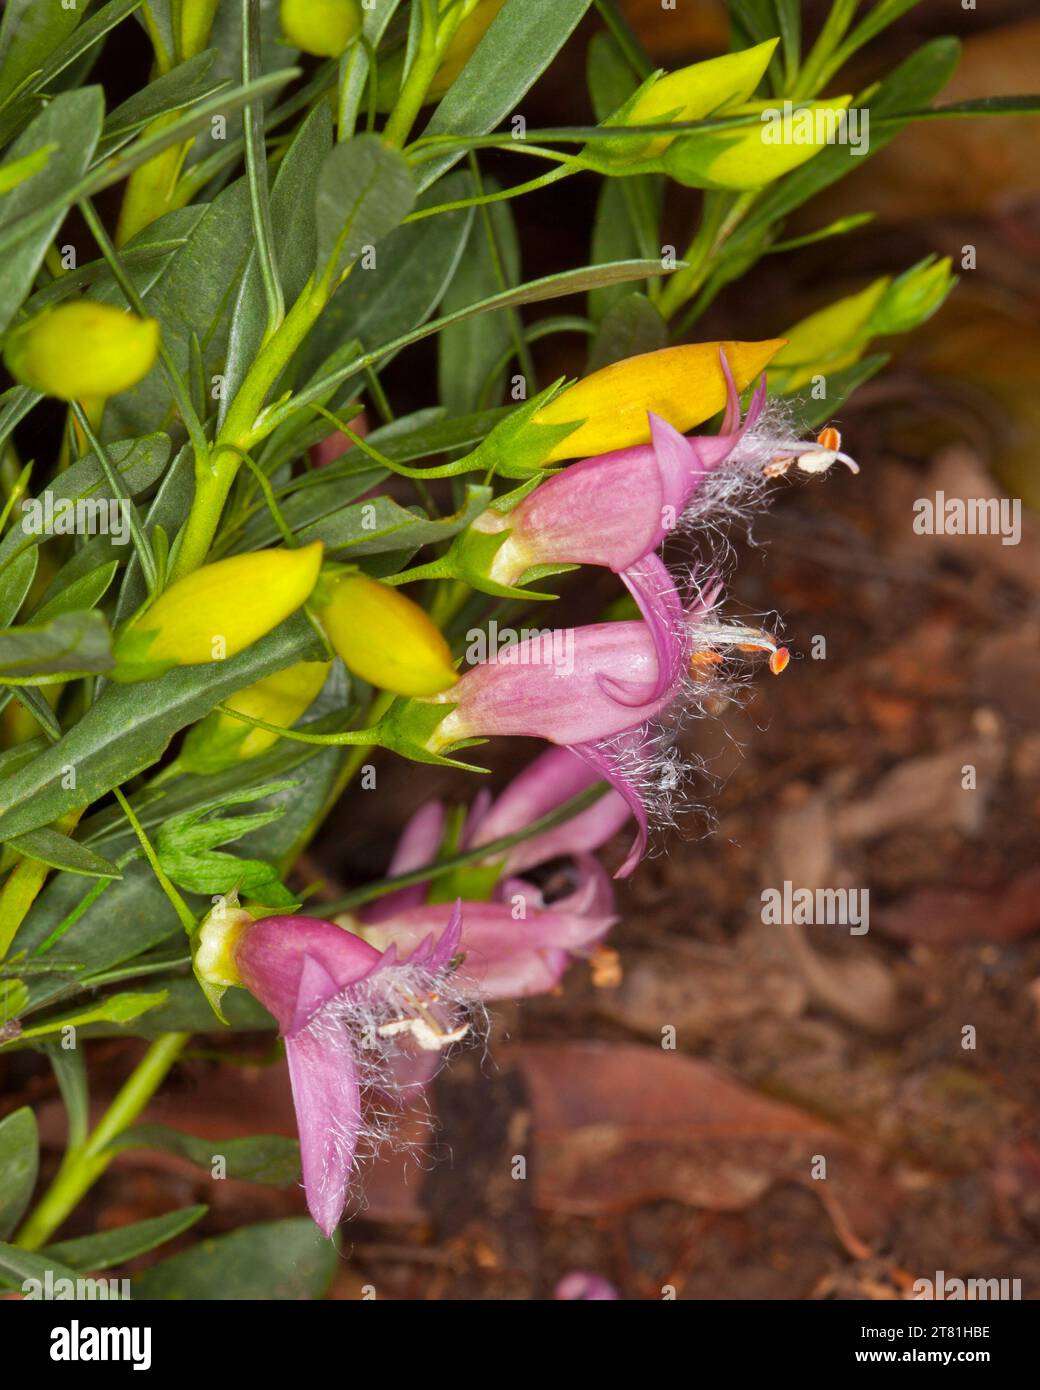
{"x":691,"y":1168}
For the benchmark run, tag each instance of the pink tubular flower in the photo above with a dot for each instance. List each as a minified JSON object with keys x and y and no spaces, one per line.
{"x":521,"y":943}
{"x":600,"y":691}
{"x":342,"y":1005}
{"x":617,"y":509}
{"x":554,"y":777}
{"x":506,"y":956}
{"x":614,"y":509}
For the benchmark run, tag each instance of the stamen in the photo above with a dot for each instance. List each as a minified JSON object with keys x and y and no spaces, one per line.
{"x":424,"y":1026}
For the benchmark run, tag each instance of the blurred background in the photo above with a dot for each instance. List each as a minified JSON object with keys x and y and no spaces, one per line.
{"x":650,"y":1169}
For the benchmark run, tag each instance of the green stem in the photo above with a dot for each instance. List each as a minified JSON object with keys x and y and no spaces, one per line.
{"x":563,"y":170}
{"x":243,"y":428}
{"x":256,"y":170}
{"x":84,"y":1163}
{"x":417,"y":83}
{"x":353,"y":761}
{"x":698,"y":255}
{"x":183,"y":911}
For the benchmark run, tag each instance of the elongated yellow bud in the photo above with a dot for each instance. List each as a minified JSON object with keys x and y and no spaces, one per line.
{"x":217,"y":611}
{"x":279,"y":699}
{"x":197,"y":18}
{"x":220,"y":740}
{"x":683,"y":385}
{"x":82,"y":349}
{"x":463,"y":42}
{"x":703,"y":89}
{"x":385,"y":638}
{"x":746,"y":157}
{"x":456,"y":55}
{"x":325,"y":28}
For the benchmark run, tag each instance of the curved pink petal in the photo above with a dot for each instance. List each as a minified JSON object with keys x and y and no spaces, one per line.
{"x":601,"y":511}
{"x":294,"y":965}
{"x":681,"y":465}
{"x":556,"y":690}
{"x":418,"y":845}
{"x":610,"y":762}
{"x":593,"y":893}
{"x":653,"y":588}
{"x":475,"y":817}
{"x":552,"y":779}
{"x":504,"y":956}
{"x":324,"y":1078}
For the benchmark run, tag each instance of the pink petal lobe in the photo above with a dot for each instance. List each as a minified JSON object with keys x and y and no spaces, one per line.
{"x":327,"y":1098}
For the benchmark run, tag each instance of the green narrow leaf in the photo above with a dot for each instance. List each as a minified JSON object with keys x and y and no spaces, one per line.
{"x":74,"y":644}
{"x":520,"y":44}
{"x":69,"y":51}
{"x":194,"y":295}
{"x":69,"y":127}
{"x":631,"y":327}
{"x":534,"y":292}
{"x":272,"y":1159}
{"x":295,"y":237}
{"x":117,"y":1008}
{"x":168,"y":509}
{"x":414,"y":267}
{"x":61,"y":852}
{"x":187,"y":83}
{"x":127,"y":729}
{"x":116,"y":1247}
{"x":15,"y":582}
{"x":83,"y":491}
{"x":29,"y":34}
{"x":19,"y":1161}
{"x":17,"y":1266}
{"x":80,"y":595}
{"x":365,"y":190}
{"x":70,"y":1070}
{"x":465,"y":351}
{"x":276,"y":1260}
{"x":368,"y":528}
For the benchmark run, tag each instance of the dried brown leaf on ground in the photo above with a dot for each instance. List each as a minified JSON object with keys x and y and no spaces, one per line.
{"x":945,"y":915}
{"x":927,"y":793}
{"x":616,"y":1125}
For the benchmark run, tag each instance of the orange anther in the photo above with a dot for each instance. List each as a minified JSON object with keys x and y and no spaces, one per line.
{"x":829,"y":439}
{"x":702,"y":661}
{"x":778,"y":660}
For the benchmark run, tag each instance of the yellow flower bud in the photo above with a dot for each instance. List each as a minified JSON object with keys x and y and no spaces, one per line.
{"x":703,"y":89}
{"x":197,"y":18}
{"x":385,"y":638}
{"x":829,"y":340}
{"x":217,"y":611}
{"x":460,"y":48}
{"x":279,"y":699}
{"x":82,"y":348}
{"x":220,"y":740}
{"x":683,"y":385}
{"x":325,"y":28}
{"x":749,"y":156}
